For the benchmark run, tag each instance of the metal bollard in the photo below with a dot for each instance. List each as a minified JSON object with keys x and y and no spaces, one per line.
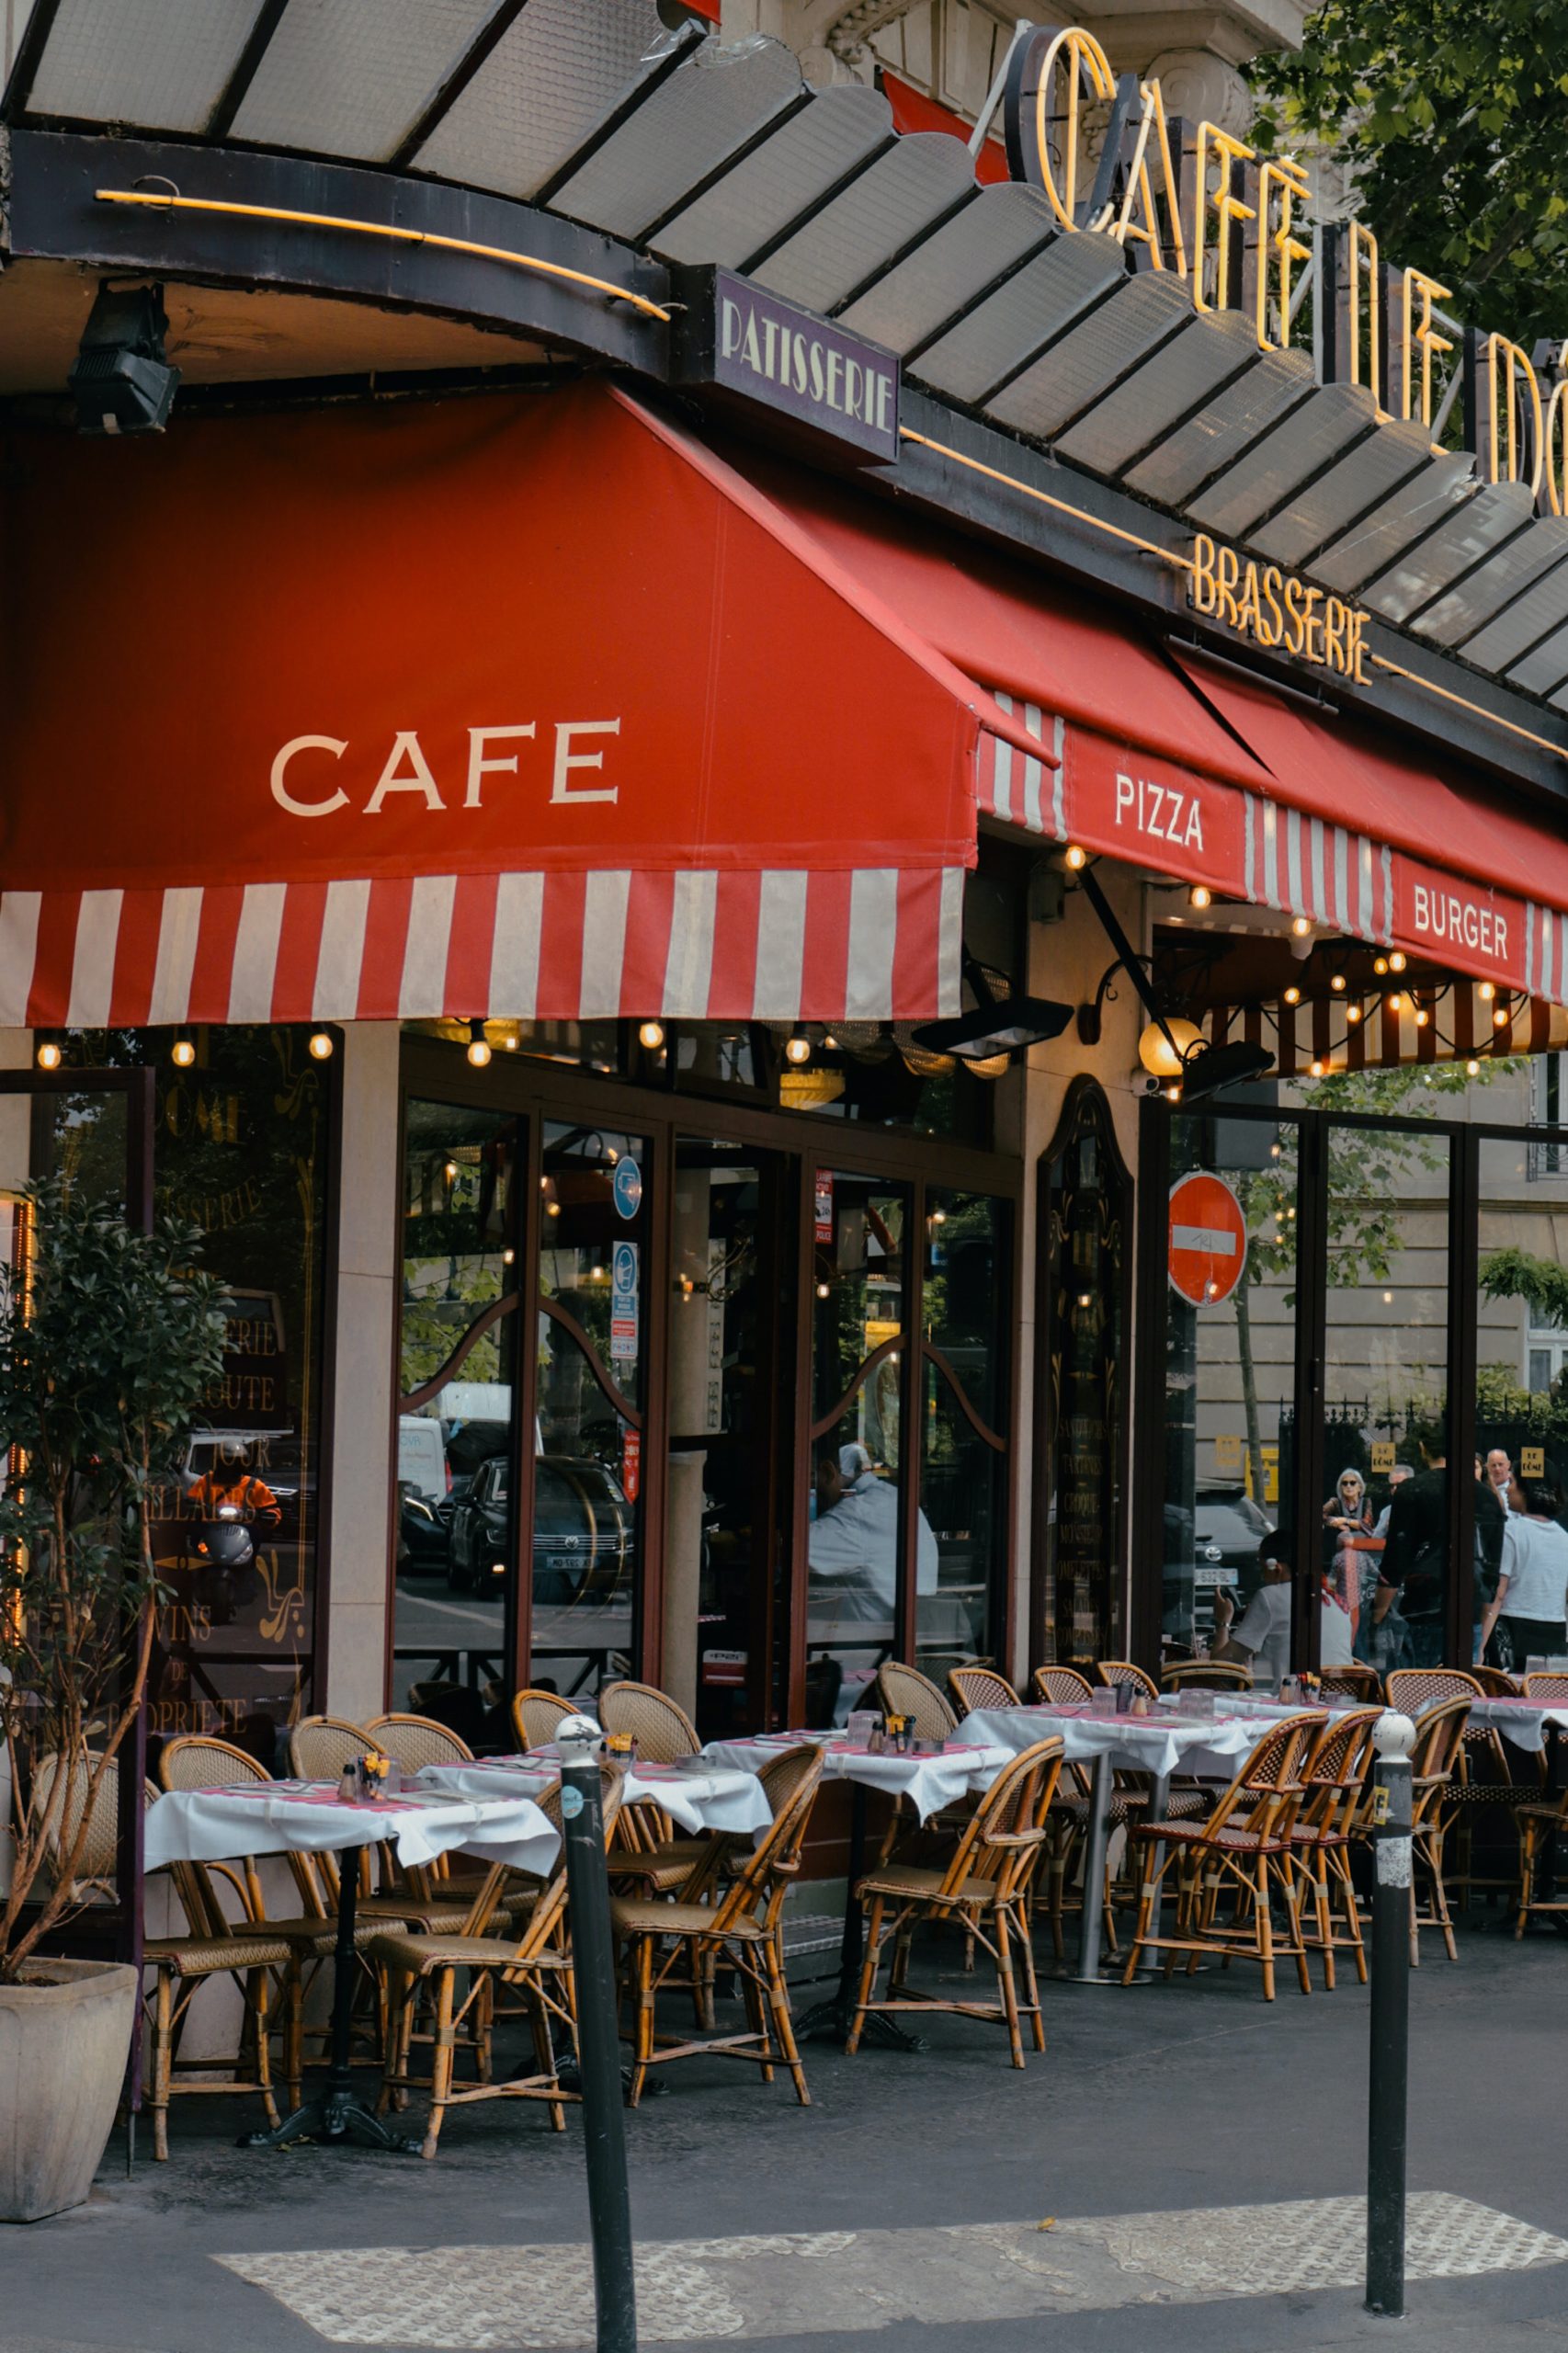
{"x":1388,"y":2076}
{"x":598,"y":2034}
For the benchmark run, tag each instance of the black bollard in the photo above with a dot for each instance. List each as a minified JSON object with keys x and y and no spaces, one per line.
{"x":1389,"y":2076}
{"x":598,"y":2035}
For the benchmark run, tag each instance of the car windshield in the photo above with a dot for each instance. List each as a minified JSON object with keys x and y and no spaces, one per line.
{"x":1236,"y":1524}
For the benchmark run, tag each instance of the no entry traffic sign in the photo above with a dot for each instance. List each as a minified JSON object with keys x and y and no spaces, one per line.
{"x":1208,"y":1239}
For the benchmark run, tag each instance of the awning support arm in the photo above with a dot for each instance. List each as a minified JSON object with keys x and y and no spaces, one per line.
{"x":1131,"y":962}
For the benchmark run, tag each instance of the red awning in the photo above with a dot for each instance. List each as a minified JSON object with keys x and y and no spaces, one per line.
{"x":1177,"y":763}
{"x":526,"y":706}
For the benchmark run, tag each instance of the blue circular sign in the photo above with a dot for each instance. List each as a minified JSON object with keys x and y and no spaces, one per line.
{"x":626,"y":1186}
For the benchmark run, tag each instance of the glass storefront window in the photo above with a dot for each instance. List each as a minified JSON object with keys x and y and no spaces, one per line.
{"x":960,"y":1533}
{"x":854,"y":1543}
{"x":456,"y":1442}
{"x":1230,"y":1387}
{"x":1521,"y":1388}
{"x":240,"y":1138}
{"x":591,"y":1380}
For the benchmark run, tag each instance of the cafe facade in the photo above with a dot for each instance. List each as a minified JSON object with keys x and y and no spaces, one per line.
{"x":838,"y":880}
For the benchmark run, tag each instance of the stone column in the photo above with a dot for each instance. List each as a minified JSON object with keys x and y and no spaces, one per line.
{"x":364,"y":1397}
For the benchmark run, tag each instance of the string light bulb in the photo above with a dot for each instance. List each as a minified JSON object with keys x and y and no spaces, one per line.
{"x":652,"y":1036}
{"x":1292,"y":994}
{"x":182,"y":1053}
{"x":477,"y":1044}
{"x":1380,"y":965}
{"x":1396,"y":1001}
{"x":1317,"y":1069}
{"x":1301,"y":926}
{"x":1488,"y":991}
{"x":49,"y":1055}
{"x":1499,"y":1020}
{"x":1422,"y":1017}
{"x":1200,"y":896}
{"x":1337,"y":981}
{"x":797,"y":1050}
{"x":1075,"y":858}
{"x":1472,"y":1068}
{"x":321,"y":1045}
{"x":1353,"y":1013}
{"x":1397,"y":960}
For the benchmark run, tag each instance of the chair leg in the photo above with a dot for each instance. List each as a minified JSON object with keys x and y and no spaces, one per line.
{"x":867,"y":1975}
{"x":258,"y":2007}
{"x":1145,"y":1911}
{"x":163,"y":2063}
{"x":1005,"y":1985}
{"x":643,"y":2015}
{"x":1441,"y":1895}
{"x":294,"y":2031}
{"x":1527,"y":1876}
{"x":783,"y":2024}
{"x":1324,"y":1911}
{"x":442,"y":2058}
{"x":1025,"y":1947}
{"x":1265,"y":1929}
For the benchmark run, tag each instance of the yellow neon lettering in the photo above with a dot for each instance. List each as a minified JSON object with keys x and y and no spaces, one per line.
{"x":1217,"y":146}
{"x":1418,"y":335}
{"x":1201,"y":587}
{"x":1287,"y":179}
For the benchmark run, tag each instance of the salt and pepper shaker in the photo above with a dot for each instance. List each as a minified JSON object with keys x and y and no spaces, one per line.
{"x":348,"y":1786}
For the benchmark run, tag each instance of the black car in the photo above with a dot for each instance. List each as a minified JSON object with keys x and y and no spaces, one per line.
{"x":582,"y":1531}
{"x":1218,"y":1546}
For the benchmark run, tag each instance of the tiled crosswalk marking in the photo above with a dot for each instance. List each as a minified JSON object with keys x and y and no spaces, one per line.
{"x":848,"y":2283}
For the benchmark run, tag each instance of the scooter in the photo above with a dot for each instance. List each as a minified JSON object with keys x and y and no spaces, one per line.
{"x":224,"y":1552}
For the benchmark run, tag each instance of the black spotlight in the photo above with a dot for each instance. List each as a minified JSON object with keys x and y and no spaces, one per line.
{"x":995,"y":1025}
{"x":121,"y":381}
{"x":1210,"y":1068}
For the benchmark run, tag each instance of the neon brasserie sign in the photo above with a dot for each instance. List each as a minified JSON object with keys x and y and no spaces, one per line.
{"x":1196,"y":200}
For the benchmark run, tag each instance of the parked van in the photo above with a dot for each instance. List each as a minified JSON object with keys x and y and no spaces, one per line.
{"x":422,"y":1456}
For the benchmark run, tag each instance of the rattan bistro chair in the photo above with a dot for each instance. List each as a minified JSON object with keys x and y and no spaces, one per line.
{"x":258,"y":1959}
{"x":1333,"y":1783}
{"x":1551,"y":1688}
{"x":664,"y":1732}
{"x":1354,"y":1682}
{"x":900,"y":1690}
{"x":1062,"y":1687}
{"x":682,"y":1944}
{"x":1495,"y":1682}
{"x":536,"y":1717}
{"x":647,"y":1856}
{"x":980,"y":1686}
{"x":1434,"y":1781}
{"x":1206,"y":1675}
{"x":1244,"y":1852}
{"x":320,"y":1746}
{"x":1484,"y":1780}
{"x":984,"y":1889}
{"x":414,"y":1741}
{"x":1112,"y":1671}
{"x":530,"y":1958}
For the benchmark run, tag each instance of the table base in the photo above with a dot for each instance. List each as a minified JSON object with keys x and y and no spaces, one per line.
{"x":835,"y":2016}
{"x":335,"y":2114}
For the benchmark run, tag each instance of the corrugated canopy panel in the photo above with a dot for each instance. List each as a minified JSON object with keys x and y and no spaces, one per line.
{"x":792,"y":171}
{"x":353,"y":77}
{"x":162,"y":63}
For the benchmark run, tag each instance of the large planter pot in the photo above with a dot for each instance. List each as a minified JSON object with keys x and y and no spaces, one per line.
{"x":65,"y":2038}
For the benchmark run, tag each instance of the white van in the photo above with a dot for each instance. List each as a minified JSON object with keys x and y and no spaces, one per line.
{"x":422,"y":1456}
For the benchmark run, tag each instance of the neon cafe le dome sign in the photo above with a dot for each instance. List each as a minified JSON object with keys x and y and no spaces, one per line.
{"x":1196,"y":200}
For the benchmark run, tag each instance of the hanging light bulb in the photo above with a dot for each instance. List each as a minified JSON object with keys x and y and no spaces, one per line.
{"x":1396,"y":961}
{"x":477,"y":1044}
{"x":797,"y":1050}
{"x":1488,"y":991}
{"x":48,"y":1056}
{"x":1353,"y":1013}
{"x":1396,"y":1001}
{"x":1200,"y":896}
{"x":321,"y":1045}
{"x":652,"y":1036}
{"x":1337,"y":981}
{"x":182,"y":1053}
{"x":1422,"y":1017}
{"x":1472,"y":1068}
{"x":1159,"y":1057}
{"x":1292,"y":994}
{"x":1499,"y":1020}
{"x":1380,"y":965}
{"x":1075,"y":858}
{"x":1317,"y":1069}
{"x":824,"y":1290}
{"x":1301,"y":926}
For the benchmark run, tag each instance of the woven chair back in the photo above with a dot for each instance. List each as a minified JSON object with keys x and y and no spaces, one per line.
{"x":1353,"y":1682}
{"x":320,"y":1746}
{"x":536,"y":1716}
{"x":665,"y":1733}
{"x":980,"y":1686}
{"x":1439,"y":1735}
{"x":1268,"y":1787}
{"x":1411,"y":1688}
{"x":1495,"y":1683}
{"x":1112,"y":1671}
{"x":900,"y":1690}
{"x":1062,"y":1687}
{"x":1550,"y":1687}
{"x":1205,"y":1675}
{"x":414,"y":1741}
{"x":543,"y":1924}
{"x":1001,"y":1842}
{"x":195,"y":1761}
{"x":96,"y":1864}
{"x":757,"y":1893}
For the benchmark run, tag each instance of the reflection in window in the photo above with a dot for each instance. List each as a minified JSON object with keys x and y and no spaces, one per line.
{"x":590,"y":1374}
{"x":454,"y":1444}
{"x":964,"y":1467}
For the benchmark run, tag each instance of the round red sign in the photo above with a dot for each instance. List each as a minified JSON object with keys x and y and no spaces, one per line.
{"x":1208,"y":1239}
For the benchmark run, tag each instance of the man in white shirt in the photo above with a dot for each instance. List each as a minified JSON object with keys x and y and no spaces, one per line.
{"x":1262,"y":1637}
{"x":852,"y":1549}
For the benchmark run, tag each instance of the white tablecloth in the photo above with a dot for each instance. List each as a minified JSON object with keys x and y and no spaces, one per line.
{"x":700,"y":1795}
{"x":928,"y":1782}
{"x":305,"y":1817}
{"x":1159,"y":1743}
{"x":1524,"y":1721}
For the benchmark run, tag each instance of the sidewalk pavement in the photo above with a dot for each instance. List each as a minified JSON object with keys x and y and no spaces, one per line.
{"x":1182,"y":2168}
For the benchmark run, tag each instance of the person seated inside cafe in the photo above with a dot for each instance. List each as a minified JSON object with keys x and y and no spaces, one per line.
{"x":1261,"y":1637}
{"x":1528,"y":1615}
{"x":852,"y":1549}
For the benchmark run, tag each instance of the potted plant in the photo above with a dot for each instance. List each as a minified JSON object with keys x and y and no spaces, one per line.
{"x":109,"y":1346}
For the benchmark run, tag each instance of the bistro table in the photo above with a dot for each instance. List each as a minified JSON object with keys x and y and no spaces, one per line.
{"x":697,"y":1792}
{"x":929,"y":1781}
{"x":309,"y":1817}
{"x":1155,"y":1744}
